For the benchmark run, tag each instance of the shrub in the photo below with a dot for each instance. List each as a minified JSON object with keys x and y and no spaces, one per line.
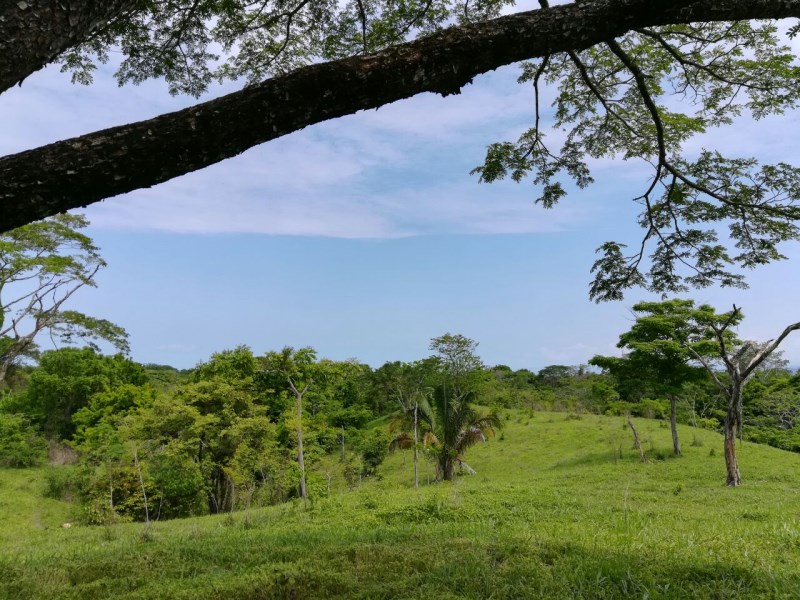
{"x":652,"y":409}
{"x":620,"y":408}
{"x":374,"y":447}
{"x":179,"y":482}
{"x":712,"y":424}
{"x":20,"y":444}
{"x":63,"y":482}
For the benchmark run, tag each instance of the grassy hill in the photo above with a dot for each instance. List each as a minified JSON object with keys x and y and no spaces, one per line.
{"x":560,"y":508}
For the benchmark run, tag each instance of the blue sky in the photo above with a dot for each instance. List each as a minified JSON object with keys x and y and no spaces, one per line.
{"x":366,"y":236}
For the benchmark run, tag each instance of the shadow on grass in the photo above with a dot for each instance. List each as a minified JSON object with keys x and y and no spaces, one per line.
{"x":624,"y":454}
{"x":391,"y":563}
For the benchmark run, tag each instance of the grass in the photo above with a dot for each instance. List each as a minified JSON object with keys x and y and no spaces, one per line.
{"x":24,"y":512}
{"x":560,"y":508}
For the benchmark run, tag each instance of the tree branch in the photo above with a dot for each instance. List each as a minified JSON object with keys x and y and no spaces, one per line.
{"x":34,"y":33}
{"x":769,"y":349}
{"x":719,"y":333}
{"x":79,"y":171}
{"x":711,"y":372}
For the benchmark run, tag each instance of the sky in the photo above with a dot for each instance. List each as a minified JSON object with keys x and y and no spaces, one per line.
{"x":366,"y":236}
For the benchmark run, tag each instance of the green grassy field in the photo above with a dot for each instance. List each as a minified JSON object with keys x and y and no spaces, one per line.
{"x":554,"y":512}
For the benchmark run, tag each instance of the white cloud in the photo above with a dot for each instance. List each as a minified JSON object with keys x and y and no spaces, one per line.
{"x":332,"y":207}
{"x":399,"y":171}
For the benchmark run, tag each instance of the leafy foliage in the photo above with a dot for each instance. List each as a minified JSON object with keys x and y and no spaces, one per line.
{"x":20,"y":443}
{"x":547,"y":518}
{"x":191,"y":43}
{"x":615,"y":100}
{"x":68,"y":380}
{"x":454,"y":425}
{"x":41,"y":266}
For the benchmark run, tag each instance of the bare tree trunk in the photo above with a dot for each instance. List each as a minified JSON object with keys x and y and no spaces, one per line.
{"x":3,"y":371}
{"x":446,"y":468}
{"x":636,"y":443}
{"x":300,"y":460}
{"x":110,"y":487}
{"x":416,"y":443}
{"x":731,"y":427}
{"x":673,"y":422}
{"x":144,"y":492}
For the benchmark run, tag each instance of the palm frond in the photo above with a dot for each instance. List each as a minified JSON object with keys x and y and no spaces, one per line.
{"x":403,"y":441}
{"x":430,"y":439}
{"x":476,"y":431}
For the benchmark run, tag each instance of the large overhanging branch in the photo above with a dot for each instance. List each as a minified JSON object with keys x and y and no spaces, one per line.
{"x":76,"y":172}
{"x":34,"y":32}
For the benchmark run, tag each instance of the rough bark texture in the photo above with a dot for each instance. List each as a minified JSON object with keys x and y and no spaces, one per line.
{"x":731,"y":427}
{"x":446,"y":468}
{"x":4,"y":366}
{"x":34,"y":32}
{"x":72,"y":173}
{"x":673,"y":423}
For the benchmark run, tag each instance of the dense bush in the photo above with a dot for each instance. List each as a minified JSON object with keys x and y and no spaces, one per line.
{"x":374,"y":446}
{"x":20,"y":444}
{"x":63,"y":482}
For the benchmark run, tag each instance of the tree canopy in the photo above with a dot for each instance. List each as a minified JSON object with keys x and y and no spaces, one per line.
{"x":635,"y":80}
{"x":42,"y":265}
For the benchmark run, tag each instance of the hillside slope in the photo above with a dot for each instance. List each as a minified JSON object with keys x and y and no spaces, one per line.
{"x":560,"y":508}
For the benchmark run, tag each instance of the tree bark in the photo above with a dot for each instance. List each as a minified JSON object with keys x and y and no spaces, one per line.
{"x":673,"y":423}
{"x":76,"y":172}
{"x":447,"y":468}
{"x":34,"y":32}
{"x":738,"y":379}
{"x":731,"y":426}
{"x":4,"y":366}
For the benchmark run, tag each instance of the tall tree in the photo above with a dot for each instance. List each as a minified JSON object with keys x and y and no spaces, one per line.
{"x":67,"y":380}
{"x":460,"y":367}
{"x":740,"y":359}
{"x":410,"y":388}
{"x":454,"y":424}
{"x":296,"y":368}
{"x":42,"y":266}
{"x":622,"y":68}
{"x":658,"y":352}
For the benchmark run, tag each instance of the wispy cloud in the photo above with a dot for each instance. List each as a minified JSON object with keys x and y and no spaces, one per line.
{"x":395,"y":172}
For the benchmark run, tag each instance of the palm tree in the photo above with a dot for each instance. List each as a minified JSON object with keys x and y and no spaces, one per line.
{"x":455,"y":426}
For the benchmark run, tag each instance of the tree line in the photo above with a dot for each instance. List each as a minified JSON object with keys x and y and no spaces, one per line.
{"x":150,"y":441}
{"x":242,"y":428}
